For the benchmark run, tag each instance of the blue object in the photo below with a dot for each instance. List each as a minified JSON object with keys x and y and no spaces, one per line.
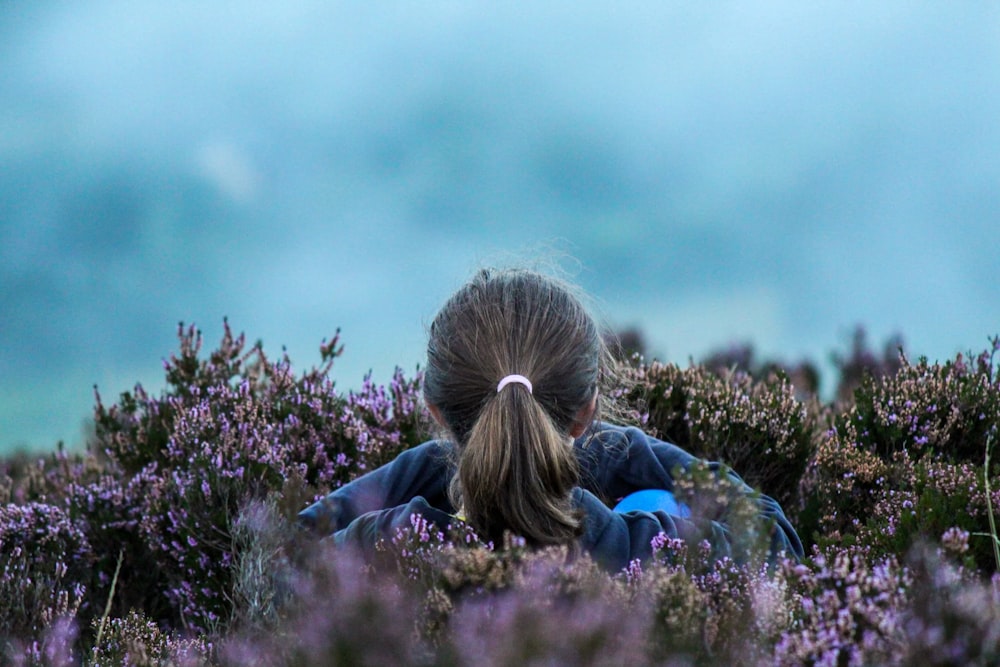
{"x":651,"y":500}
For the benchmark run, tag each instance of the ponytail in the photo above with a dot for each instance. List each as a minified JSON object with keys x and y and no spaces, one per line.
{"x":517,"y":472}
{"x":515,"y":468}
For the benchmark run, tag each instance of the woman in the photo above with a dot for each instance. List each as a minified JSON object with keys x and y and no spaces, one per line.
{"x":514,"y":369}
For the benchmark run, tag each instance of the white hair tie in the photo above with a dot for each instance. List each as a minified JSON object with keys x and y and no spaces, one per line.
{"x":520,"y":379}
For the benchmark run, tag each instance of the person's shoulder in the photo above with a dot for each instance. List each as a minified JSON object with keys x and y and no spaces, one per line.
{"x":631,"y":443}
{"x":608,"y":434}
{"x":433,"y":447}
{"x":430,"y":453}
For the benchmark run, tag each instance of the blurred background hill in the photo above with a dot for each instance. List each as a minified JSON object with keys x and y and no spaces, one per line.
{"x":771,"y":172}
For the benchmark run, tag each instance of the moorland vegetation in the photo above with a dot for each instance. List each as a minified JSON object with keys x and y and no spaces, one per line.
{"x":172,"y":541}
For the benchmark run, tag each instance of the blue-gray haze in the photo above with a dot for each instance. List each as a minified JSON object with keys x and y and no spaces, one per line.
{"x":772,"y":172}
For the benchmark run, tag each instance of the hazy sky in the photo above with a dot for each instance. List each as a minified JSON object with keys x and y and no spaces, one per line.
{"x":768,"y":172}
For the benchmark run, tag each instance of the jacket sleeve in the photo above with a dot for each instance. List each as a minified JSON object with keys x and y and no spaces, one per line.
{"x":420,"y":471}
{"x":365,"y":531}
{"x":616,"y":461}
{"x":615,"y":539}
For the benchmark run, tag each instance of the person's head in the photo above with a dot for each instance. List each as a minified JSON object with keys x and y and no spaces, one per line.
{"x":515,"y":464}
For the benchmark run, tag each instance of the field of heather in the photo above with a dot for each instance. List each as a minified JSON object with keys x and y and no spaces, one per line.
{"x":172,"y":539}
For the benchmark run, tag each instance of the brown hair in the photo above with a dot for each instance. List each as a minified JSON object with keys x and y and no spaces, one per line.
{"x":515,"y":468}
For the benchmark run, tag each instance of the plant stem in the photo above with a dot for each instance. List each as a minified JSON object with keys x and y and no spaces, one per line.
{"x":111,"y":595}
{"x":989,"y":500}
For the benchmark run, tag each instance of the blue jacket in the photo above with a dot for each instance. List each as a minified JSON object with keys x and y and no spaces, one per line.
{"x":615,"y":461}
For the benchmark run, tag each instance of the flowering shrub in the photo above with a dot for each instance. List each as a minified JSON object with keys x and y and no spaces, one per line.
{"x":847,"y":611}
{"x":109,"y":511}
{"x":45,"y":557}
{"x":550,"y":614}
{"x":953,"y":616}
{"x":172,"y":539}
{"x":861,"y":362}
{"x":240,"y":395}
{"x":755,"y":426}
{"x":803,"y":375}
{"x":339,"y":613}
{"x":906,"y":461}
{"x":166,"y":477}
{"x":230,"y":429}
{"x":136,"y":641}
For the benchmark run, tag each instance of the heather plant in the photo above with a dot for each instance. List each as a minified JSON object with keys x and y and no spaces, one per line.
{"x":862,"y":362}
{"x":714,"y":501}
{"x":17,"y":472}
{"x":137,"y":641}
{"x":168,"y":478}
{"x":504,"y":605}
{"x":426,"y":554}
{"x":264,"y":567}
{"x":562,"y":608}
{"x":105,"y":509}
{"x":45,"y":557}
{"x":906,"y":461}
{"x":848,"y":610}
{"x":221,"y":453}
{"x":109,"y":511}
{"x":739,"y":618}
{"x":229,"y":430}
{"x":755,"y":426}
{"x":45,"y":479}
{"x":340,"y":612}
{"x":709,"y":610}
{"x":552,"y":613}
{"x":447,"y":567}
{"x":329,"y":436}
{"x":676,"y":608}
{"x":803,"y":375}
{"x":171,"y":540}
{"x":55,"y":648}
{"x":954,"y":615}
